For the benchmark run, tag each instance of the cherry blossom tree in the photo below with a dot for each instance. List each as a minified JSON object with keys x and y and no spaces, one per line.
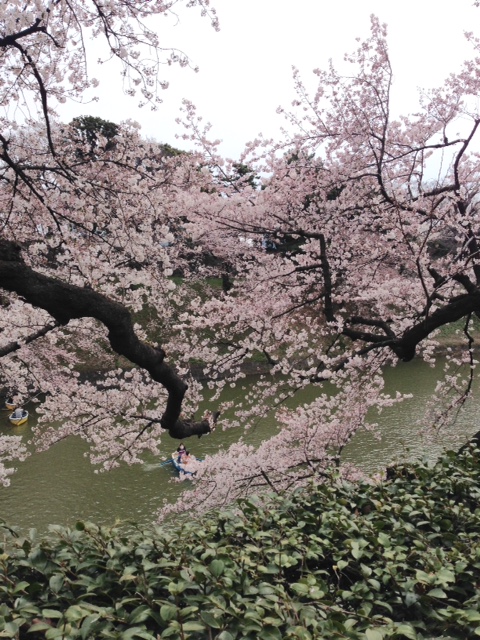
{"x":342,"y":249}
{"x":375,"y":222}
{"x":85,"y":229}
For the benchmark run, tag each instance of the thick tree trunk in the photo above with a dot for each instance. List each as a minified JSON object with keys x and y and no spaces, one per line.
{"x":65,"y":302}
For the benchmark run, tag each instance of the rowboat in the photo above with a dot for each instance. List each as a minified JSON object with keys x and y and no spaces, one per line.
{"x":18,"y":420}
{"x":10,"y":405}
{"x":182,"y":469}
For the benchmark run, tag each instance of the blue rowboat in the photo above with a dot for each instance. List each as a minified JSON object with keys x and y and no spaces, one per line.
{"x":181,"y":468}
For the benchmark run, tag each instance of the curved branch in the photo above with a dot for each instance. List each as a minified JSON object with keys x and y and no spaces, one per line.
{"x":43,"y":94}
{"x":12,"y":38}
{"x":327,"y":279}
{"x":454,"y":310}
{"x":11,"y":347}
{"x":65,"y":302}
{"x":405,"y":345}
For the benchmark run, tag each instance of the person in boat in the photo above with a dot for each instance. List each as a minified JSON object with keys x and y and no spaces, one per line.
{"x":187,"y":458}
{"x":181,"y":451}
{"x":18,"y":413}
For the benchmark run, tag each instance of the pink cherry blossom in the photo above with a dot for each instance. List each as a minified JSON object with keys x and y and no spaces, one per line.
{"x":323,"y":257}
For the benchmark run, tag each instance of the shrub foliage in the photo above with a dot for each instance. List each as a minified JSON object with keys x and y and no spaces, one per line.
{"x":396,"y":559}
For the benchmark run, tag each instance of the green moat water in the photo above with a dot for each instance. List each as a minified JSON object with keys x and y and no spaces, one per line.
{"x":60,"y":486}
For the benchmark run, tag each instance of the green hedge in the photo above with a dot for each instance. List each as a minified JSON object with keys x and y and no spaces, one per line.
{"x":398,"y":559}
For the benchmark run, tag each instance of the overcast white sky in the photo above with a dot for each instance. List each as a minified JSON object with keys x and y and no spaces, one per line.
{"x":245,"y":69}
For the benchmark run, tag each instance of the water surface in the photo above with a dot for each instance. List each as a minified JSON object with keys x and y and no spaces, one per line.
{"x":60,"y":486}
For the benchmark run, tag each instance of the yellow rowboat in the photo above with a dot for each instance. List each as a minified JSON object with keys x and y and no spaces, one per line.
{"x":10,"y":406}
{"x":17,"y":420}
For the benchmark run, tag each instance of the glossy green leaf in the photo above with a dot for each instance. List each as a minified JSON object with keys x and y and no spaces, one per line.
{"x":9,"y":630}
{"x":39,"y":626}
{"x":406,"y":630}
{"x":56,"y":582}
{"x":140,"y":614}
{"x":136,"y":632}
{"x":472,"y":615}
{"x":217,"y":567}
{"x":210,"y":620}
{"x":193,"y":626}
{"x":51,"y":613}
{"x":168,"y":612}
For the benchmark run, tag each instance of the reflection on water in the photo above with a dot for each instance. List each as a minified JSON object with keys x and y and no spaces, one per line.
{"x":60,"y":485}
{"x":400,"y":426}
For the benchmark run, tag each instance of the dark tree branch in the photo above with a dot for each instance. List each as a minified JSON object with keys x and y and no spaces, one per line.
{"x":43,"y":94}
{"x":11,"y":39}
{"x":327,"y":279}
{"x":24,"y":177}
{"x":465,"y":281}
{"x":65,"y":302}
{"x":405,"y":346}
{"x":15,"y":346}
{"x":357,"y":334}
{"x":438,"y":279}
{"x":370,"y":322}
{"x":452,"y":311}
